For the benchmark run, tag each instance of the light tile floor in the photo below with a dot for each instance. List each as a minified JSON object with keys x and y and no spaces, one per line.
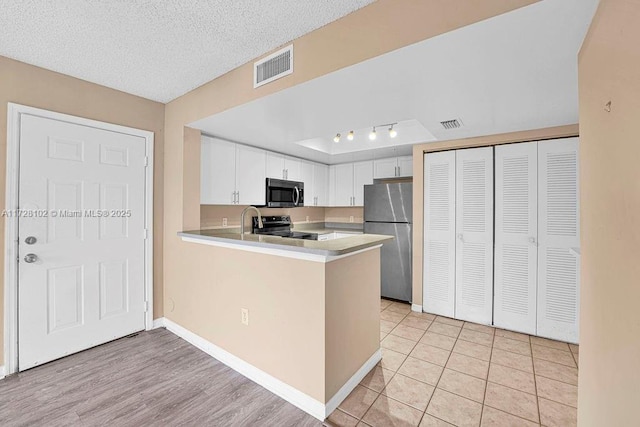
{"x":437,"y":371}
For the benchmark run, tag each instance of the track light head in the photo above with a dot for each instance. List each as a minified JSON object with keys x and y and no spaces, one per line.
{"x":372,"y":135}
{"x":336,"y":138}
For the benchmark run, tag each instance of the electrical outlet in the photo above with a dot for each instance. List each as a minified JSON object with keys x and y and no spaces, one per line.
{"x":245,"y":316}
{"x":307,"y":218}
{"x":224,"y":222}
{"x":351,"y":218}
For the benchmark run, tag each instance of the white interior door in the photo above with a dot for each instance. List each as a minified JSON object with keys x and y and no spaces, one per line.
{"x":474,"y":235}
{"x":439,"y":233}
{"x":87,"y":285}
{"x":559,"y":240}
{"x":516,"y":251}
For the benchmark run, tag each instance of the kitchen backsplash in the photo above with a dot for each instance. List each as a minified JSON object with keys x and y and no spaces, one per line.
{"x":211,"y":216}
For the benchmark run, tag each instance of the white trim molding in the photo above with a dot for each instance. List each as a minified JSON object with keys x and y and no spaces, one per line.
{"x":292,"y":395}
{"x":417,"y":308}
{"x":2,"y":374}
{"x":14,"y":113}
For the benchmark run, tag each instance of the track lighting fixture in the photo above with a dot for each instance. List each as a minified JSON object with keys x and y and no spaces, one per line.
{"x":372,"y":135}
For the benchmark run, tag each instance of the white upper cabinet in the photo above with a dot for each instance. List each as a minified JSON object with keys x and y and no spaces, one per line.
{"x":315,"y":177}
{"x":343,"y":194}
{"x":474,"y":235}
{"x":385,"y":168}
{"x":275,"y":165}
{"x":362,"y":175}
{"x":217,"y":172}
{"x":250,"y":175}
{"x":405,"y":166}
{"x":558,"y":240}
{"x":393,"y":167}
{"x":516,"y":251}
{"x":292,"y":169}
{"x":280,"y":166}
{"x":231,"y":173}
{"x":321,"y":184}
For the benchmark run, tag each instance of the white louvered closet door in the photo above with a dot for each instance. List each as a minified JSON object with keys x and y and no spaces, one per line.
{"x":516,"y":251}
{"x":474,"y":235}
{"x":439,"y":233}
{"x":559,"y":240}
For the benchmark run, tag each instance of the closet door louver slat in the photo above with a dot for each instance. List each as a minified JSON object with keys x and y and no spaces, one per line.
{"x":559,"y":250}
{"x":516,"y":252}
{"x":439,"y":233}
{"x":474,"y":235}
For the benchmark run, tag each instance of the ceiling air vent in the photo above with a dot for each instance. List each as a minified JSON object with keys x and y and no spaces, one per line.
{"x":451,"y":124}
{"x":274,"y":66}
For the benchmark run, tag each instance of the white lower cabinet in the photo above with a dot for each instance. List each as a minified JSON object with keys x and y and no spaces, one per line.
{"x":536,"y":254}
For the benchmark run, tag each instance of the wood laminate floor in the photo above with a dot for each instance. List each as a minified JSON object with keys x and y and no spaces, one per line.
{"x":151,"y":379}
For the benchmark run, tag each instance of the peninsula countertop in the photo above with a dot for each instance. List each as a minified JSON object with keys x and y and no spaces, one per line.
{"x":327,"y":248}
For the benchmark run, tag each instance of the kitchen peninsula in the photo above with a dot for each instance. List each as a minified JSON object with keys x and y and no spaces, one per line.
{"x":299,"y":317}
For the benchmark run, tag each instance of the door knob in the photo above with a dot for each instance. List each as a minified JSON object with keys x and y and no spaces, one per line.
{"x":30,"y":258}
{"x":461,"y":237}
{"x":532,"y":240}
{"x":30,"y":240}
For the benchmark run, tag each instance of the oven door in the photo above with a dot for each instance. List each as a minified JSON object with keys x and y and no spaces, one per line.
{"x":284,"y":194}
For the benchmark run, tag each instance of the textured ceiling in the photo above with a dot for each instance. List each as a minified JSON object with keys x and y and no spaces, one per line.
{"x":157,"y":49}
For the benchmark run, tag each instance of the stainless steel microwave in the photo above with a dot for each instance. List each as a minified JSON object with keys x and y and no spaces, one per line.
{"x":284,"y":194}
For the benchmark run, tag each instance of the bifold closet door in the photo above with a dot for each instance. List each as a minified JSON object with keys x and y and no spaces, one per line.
{"x":516,"y":251}
{"x":439,"y":233}
{"x":559,"y":240}
{"x":474,"y":235}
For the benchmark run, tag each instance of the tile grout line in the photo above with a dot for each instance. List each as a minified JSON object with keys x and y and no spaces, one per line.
{"x":486,"y":385}
{"x":535,"y":383}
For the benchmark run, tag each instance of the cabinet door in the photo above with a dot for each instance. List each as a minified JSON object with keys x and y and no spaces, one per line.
{"x":306,"y":172}
{"x":362,"y":175}
{"x":344,"y":184}
{"x":250,"y":175}
{"x":321,"y":184}
{"x":516,"y":252}
{"x":217,"y":172}
{"x":293,"y":169}
{"x":332,"y":185}
{"x":439,"y":233}
{"x":559,"y":240}
{"x":385,"y":168}
{"x":474,"y":233}
{"x":275,"y":165}
{"x":405,"y":165}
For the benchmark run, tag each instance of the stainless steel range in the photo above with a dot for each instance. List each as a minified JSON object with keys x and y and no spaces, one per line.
{"x":280,"y":225}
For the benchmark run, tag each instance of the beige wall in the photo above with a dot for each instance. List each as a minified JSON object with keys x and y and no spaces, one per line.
{"x":28,"y":85}
{"x":352,"y":311}
{"x":383,"y":26}
{"x":418,"y":181}
{"x":211,"y":215}
{"x":609,"y":70}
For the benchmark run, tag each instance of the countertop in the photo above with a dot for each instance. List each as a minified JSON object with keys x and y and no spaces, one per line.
{"x":330,"y":248}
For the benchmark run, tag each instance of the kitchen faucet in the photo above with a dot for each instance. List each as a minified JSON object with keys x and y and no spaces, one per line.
{"x":242,"y":219}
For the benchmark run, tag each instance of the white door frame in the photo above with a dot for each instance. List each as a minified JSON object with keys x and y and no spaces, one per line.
{"x":14,"y":113}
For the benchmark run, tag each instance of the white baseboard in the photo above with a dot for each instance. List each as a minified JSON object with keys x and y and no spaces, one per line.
{"x":416,"y":307}
{"x":292,"y":395}
{"x":2,"y":372}
{"x":159,"y":323}
{"x":348,"y":387}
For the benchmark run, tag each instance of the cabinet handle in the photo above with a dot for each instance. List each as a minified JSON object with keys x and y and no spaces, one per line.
{"x":238,"y":197}
{"x":233,"y":197}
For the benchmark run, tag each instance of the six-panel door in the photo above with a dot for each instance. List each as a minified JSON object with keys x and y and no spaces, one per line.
{"x":81,"y":281}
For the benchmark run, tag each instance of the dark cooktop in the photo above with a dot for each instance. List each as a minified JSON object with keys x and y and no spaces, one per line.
{"x":279,"y":225}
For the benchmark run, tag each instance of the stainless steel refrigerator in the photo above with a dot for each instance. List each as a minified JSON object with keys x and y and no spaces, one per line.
{"x":388,"y":209}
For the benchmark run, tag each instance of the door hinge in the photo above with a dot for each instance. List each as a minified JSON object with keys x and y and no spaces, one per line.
{"x":146,"y":306}
{"x":146,"y":161}
{"x":146,"y":234}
